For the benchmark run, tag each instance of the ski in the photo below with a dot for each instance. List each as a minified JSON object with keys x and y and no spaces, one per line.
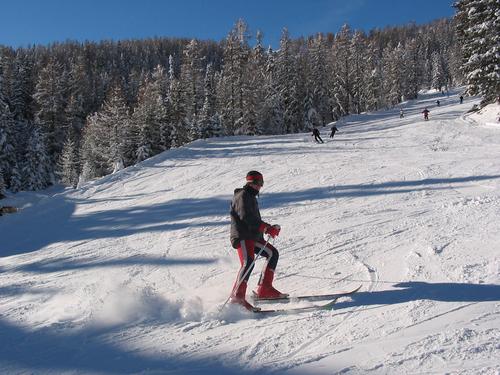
{"x":292,"y":310}
{"x":312,"y":297}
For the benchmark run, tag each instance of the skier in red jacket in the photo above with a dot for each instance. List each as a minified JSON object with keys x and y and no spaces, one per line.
{"x":247,"y":237}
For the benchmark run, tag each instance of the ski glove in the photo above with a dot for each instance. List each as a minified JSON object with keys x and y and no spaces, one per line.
{"x":273,"y":230}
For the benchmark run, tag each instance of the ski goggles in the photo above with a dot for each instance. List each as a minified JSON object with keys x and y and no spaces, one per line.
{"x":257,"y":182}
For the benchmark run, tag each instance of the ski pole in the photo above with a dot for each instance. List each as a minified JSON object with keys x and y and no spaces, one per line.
{"x":246,"y":273}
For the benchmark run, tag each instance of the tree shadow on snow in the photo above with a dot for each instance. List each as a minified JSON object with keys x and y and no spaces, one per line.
{"x":54,"y":221}
{"x":364,"y":190}
{"x":51,"y":265}
{"x":56,"y":350}
{"x":417,"y":290}
{"x":45,"y":224}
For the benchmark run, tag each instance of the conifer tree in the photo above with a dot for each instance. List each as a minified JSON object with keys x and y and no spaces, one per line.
{"x":37,"y":167}
{"x":342,"y":69}
{"x":93,"y":152}
{"x":7,"y":156}
{"x":394,"y":69}
{"x":317,"y":97}
{"x":208,"y":123}
{"x":478,"y":26}
{"x":22,"y":87}
{"x":176,"y":110}
{"x":285,"y":72}
{"x":108,"y":137}
{"x":374,"y":78}
{"x":70,"y":164}
{"x":272,"y":111}
{"x":233,"y":78}
{"x":50,"y":98}
{"x":412,"y":70}
{"x":149,"y":118}
{"x":438,"y":74}
{"x":2,"y":186}
{"x":191,"y":78}
{"x":358,"y":61}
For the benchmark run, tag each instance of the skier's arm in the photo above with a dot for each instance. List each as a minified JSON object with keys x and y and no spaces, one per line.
{"x":248,"y":213}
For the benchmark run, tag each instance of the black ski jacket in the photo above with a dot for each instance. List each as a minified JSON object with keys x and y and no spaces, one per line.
{"x":245,"y":216}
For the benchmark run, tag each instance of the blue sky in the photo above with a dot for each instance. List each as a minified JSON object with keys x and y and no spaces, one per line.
{"x":26,"y":22}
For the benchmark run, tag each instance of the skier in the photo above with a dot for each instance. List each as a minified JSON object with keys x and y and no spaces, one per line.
{"x":334,"y":130}
{"x":461,"y":99}
{"x":401,"y":113}
{"x":438,"y":102}
{"x":247,"y":230}
{"x":317,"y":136}
{"x":426,"y":114}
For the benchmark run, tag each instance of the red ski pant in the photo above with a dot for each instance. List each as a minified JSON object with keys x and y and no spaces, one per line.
{"x":246,"y":252}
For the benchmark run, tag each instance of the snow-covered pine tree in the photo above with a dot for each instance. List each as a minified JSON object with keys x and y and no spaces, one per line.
{"x":161,"y":86}
{"x":317,"y":98}
{"x":94,"y":151}
{"x":148,"y":119}
{"x":70,"y":164}
{"x":79,"y":93}
{"x":254,"y":89}
{"x":115,"y":117}
{"x":478,"y":26}
{"x":2,"y":186}
{"x":192,"y":83}
{"x":37,"y":167}
{"x":373,"y":78}
{"x":358,"y":60}
{"x":16,"y":181}
{"x":22,"y":86}
{"x":50,"y":99}
{"x":287,"y":85}
{"x":232,"y":85}
{"x":107,"y":145}
{"x":342,"y":69}
{"x":176,"y":109}
{"x":438,"y":74}
{"x":7,"y":155}
{"x":394,"y":70}
{"x":412,"y":70}
{"x":272,"y":111}
{"x":208,"y":120}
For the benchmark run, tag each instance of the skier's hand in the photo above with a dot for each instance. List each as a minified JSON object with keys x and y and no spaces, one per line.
{"x":273,"y":230}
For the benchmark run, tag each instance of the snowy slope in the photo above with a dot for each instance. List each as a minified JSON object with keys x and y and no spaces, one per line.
{"x":126,"y":275}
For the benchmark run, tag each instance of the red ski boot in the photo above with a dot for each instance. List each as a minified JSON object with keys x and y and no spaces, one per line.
{"x":238,"y":298}
{"x":265,"y":289}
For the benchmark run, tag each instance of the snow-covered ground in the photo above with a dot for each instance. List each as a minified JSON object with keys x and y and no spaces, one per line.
{"x":126,"y":274}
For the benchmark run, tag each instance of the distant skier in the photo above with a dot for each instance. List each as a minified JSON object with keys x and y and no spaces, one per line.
{"x":401,"y":113}
{"x":247,"y":237}
{"x":461,"y":99}
{"x":426,"y":114}
{"x":438,"y":102}
{"x":334,"y":130}
{"x":317,"y":136}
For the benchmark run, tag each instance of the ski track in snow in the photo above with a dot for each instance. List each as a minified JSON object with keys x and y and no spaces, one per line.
{"x":127,"y":274}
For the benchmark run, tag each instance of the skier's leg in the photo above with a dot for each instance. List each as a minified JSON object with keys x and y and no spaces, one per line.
{"x":265,"y":287}
{"x":246,"y":253}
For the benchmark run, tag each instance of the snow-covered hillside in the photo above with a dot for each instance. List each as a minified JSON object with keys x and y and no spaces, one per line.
{"x":126,"y":275}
